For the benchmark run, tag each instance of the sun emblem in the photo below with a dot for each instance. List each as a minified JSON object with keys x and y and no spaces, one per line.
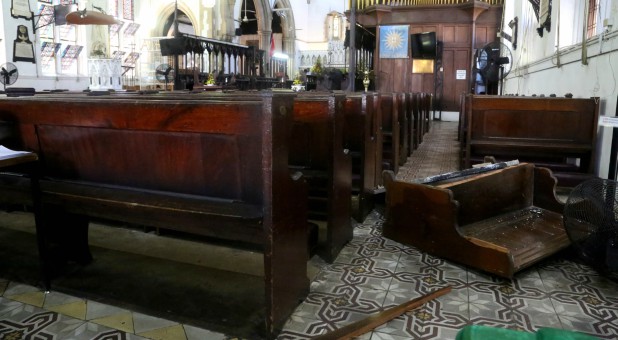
{"x":393,"y":40}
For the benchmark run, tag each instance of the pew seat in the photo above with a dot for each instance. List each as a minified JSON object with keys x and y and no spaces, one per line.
{"x":500,"y":221}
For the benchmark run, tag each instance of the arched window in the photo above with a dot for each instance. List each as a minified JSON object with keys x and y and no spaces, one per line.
{"x":334,"y":23}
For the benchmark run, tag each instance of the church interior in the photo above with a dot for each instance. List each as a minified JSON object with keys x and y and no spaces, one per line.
{"x":291,"y":169}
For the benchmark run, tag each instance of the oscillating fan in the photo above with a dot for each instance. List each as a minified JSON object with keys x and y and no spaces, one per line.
{"x":591,"y":222}
{"x":164,"y":74}
{"x":8,"y":74}
{"x":494,"y":61}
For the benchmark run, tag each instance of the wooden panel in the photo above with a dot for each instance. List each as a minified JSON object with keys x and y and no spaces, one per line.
{"x":509,"y":191}
{"x":400,"y":78}
{"x":480,"y":37}
{"x":453,"y":60}
{"x":463,"y":34}
{"x":217,"y":117}
{"x":167,"y":161}
{"x":416,"y":29}
{"x":448,"y":33}
{"x":386,"y":75}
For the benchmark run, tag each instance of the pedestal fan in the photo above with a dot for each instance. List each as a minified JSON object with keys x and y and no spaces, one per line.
{"x":8,"y":74}
{"x":591,"y":222}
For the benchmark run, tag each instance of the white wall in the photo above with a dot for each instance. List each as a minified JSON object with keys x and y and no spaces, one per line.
{"x":539,"y":69}
{"x":29,"y":73}
{"x":3,"y":42}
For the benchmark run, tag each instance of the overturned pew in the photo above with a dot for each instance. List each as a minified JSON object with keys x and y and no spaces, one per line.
{"x":499,"y":221}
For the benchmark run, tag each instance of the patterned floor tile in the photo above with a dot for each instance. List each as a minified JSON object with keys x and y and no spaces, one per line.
{"x":96,"y":310}
{"x":175,"y":332}
{"x":531,"y":321}
{"x":145,"y":323}
{"x":194,"y":333}
{"x":298,"y":328}
{"x":54,"y":298}
{"x":30,"y":322}
{"x":121,"y":321}
{"x":3,"y":285}
{"x":16,"y":288}
{"x":348,"y":305}
{"x":93,"y":331}
{"x":73,"y":309}
{"x":386,"y":336}
{"x":7,"y":305}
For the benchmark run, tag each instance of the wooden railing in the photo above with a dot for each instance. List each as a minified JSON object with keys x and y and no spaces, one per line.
{"x":362,"y":4}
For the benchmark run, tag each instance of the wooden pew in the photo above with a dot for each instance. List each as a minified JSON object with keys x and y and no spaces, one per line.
{"x":390,"y":123}
{"x":421,"y":104}
{"x":558,"y":133}
{"x":217,"y":169}
{"x":317,"y":150}
{"x":405,"y":128}
{"x":360,"y":131}
{"x":501,"y":221}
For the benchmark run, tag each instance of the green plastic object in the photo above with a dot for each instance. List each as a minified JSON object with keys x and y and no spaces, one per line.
{"x":478,"y":332}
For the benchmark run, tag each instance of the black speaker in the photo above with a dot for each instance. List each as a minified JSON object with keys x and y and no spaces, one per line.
{"x":61,"y":11}
{"x":423,"y":45}
{"x":238,"y":32}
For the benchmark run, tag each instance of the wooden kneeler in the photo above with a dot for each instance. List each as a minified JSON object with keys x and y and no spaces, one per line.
{"x":10,"y":158}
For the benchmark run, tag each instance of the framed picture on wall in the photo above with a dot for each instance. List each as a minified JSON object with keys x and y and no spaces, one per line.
{"x":21,"y":9}
{"x":23,"y":49}
{"x":394,"y":41}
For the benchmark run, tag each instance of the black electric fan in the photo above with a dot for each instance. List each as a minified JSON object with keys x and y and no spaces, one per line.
{"x":8,"y":74}
{"x":494,"y":62}
{"x":164,"y":74}
{"x":591,"y":222}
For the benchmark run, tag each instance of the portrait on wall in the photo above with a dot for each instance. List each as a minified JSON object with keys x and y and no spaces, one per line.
{"x":394,"y":41}
{"x":23,"y":49}
{"x":21,"y":9}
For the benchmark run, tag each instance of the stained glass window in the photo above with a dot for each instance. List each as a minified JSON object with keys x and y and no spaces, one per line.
{"x":114,"y":29}
{"x":69,"y":55}
{"x":117,"y":55}
{"x":131,"y":59}
{"x":113,"y":8}
{"x":67,"y":32}
{"x":48,"y":53}
{"x":593,"y":12}
{"x":60,"y":43}
{"x":131,"y":29}
{"x":46,"y":18}
{"x":127,"y":9}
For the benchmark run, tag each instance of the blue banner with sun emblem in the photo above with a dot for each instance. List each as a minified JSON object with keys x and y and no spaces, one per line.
{"x":394,"y":41}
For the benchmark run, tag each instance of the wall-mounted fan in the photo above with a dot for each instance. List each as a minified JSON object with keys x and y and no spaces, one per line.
{"x":164,"y":74}
{"x":494,"y":63}
{"x":8,"y":74}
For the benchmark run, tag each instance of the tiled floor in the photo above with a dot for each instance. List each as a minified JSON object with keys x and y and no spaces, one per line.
{"x":370,"y":274}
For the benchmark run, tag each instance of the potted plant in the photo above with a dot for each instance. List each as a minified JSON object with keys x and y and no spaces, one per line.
{"x":314,"y":75}
{"x":297,"y":84}
{"x":211,"y":80}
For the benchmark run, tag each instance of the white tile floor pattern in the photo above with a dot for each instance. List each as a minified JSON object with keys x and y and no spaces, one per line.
{"x":371,"y":273}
